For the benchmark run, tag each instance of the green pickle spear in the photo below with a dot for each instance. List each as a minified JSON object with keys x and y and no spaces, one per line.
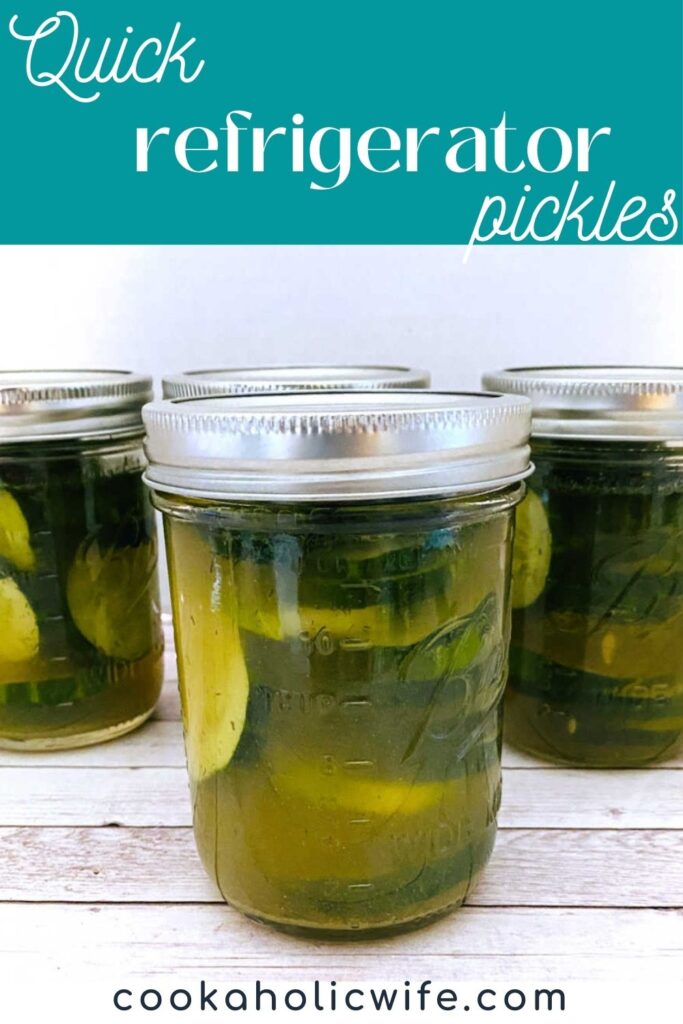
{"x":213,"y":674}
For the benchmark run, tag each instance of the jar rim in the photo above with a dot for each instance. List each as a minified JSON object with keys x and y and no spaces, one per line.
{"x":599,"y":402}
{"x":337,"y":445}
{"x":299,"y":377}
{"x":55,"y":404}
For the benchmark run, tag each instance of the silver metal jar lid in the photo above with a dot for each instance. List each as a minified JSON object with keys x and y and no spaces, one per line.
{"x":337,"y":445}
{"x":250,"y":380}
{"x":602,"y":403}
{"x":54,"y":404}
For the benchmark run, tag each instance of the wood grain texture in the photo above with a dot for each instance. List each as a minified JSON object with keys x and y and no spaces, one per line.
{"x":475,"y":942}
{"x":168,"y":706}
{"x":529,"y":868}
{"x":576,"y":798}
{"x":156,"y":744}
{"x":100,"y":796}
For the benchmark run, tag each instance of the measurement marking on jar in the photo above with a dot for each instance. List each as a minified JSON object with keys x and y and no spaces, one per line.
{"x":355,"y":644}
{"x":357,"y":702}
{"x":358,"y":765}
{"x":360,"y":886}
{"x":359,"y":821}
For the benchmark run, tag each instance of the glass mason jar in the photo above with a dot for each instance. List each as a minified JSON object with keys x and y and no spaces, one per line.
{"x":81,"y":643}
{"x":596,"y":662}
{"x":339,"y":574}
{"x":252,"y":379}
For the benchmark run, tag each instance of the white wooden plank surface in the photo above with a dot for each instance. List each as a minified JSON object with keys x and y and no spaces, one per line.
{"x":157,"y":744}
{"x":578,"y":798}
{"x":159,"y":796}
{"x":529,"y":867}
{"x":100,"y":796}
{"x":214,"y":940}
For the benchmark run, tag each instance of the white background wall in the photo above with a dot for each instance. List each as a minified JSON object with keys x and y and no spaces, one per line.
{"x":172,"y":308}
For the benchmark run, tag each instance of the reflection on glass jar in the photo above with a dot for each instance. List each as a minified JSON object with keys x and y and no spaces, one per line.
{"x":596,"y":662}
{"x":341,"y":670}
{"x":81,"y":645}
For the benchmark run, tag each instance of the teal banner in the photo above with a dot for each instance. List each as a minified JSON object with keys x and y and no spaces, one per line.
{"x":367,"y":122}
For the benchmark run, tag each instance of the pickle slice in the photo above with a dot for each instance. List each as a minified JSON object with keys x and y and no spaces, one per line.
{"x":383,"y":625}
{"x":375,"y":558}
{"x":607,"y":647}
{"x":336,"y":828}
{"x":108,"y":597}
{"x":387,"y":613}
{"x":375,"y":797}
{"x":19,"y":636}
{"x":379,"y":590}
{"x":15,"y":543}
{"x":531,"y":551}
{"x":213,"y":673}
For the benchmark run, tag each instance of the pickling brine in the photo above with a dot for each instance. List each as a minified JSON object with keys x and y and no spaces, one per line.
{"x":596,"y":663}
{"x":80,"y":646}
{"x":341,"y":698}
{"x":596,"y":658}
{"x":342,"y":660}
{"x":80,"y":634}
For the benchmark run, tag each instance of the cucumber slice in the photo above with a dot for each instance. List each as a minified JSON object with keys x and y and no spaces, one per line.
{"x":531,"y":551}
{"x":376,"y":625}
{"x":213,"y":674}
{"x":276,"y":604}
{"x":108,"y":593}
{"x":375,"y":557}
{"x":19,"y":636}
{"x":15,"y":543}
{"x":381,"y":590}
{"x":604,"y":647}
{"x":377,"y":797}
